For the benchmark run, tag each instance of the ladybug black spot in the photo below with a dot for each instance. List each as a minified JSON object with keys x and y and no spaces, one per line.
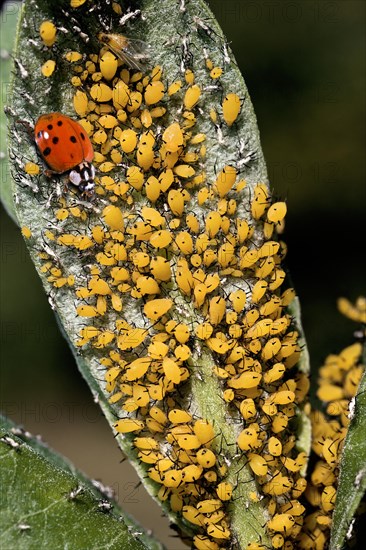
{"x":73,"y":139}
{"x":55,"y":140}
{"x":46,"y":151}
{"x":49,"y":127}
{"x":59,"y":123}
{"x":39,"y":135}
{"x":82,"y":136}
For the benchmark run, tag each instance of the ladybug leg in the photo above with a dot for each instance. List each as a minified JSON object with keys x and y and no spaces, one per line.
{"x":49,"y":173}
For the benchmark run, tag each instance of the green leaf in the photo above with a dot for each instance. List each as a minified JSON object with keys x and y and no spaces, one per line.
{"x":9,"y":17}
{"x":47,"y":503}
{"x":352,"y":476}
{"x":179,"y":35}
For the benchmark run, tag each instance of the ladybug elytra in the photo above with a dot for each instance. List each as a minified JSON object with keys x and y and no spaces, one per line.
{"x":65,"y":147}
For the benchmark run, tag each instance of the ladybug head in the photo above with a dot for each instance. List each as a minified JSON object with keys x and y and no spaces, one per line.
{"x":82,"y":176}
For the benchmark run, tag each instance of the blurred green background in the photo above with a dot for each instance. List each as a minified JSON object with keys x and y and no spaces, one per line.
{"x":304,"y":65}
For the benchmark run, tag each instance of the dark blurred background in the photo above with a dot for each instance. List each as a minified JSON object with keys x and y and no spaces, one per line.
{"x":304,"y":65}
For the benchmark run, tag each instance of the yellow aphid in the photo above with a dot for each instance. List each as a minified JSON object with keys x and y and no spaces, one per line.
{"x":260,"y":329}
{"x":188,"y":442}
{"x":191,"y":96}
{"x":204,"y":431}
{"x":228,"y":395}
{"x":216,"y":72}
{"x":177,"y":416}
{"x":206,"y":458}
{"x":204,"y":331}
{"x":161,"y":239}
{"x":201,"y":542}
{"x":277,"y":541}
{"x":189,"y":76}
{"x":225,"y":180}
{"x":174,"y":87}
{"x":26,"y":232}
{"x":108,"y":65}
{"x":127,"y":425}
{"x":171,"y":369}
{"x":281,"y":522}
{"x":152,"y":216}
{"x":113,"y":217}
{"x":154,"y":92}
{"x":172,"y":478}
{"x":108,"y":121}
{"x":217,"y":308}
{"x":155,"y":309}
{"x":147,"y":285}
{"x":152,"y":188}
{"x":184,"y":242}
{"x":355,"y":312}
{"x":73,"y":57}
{"x":160,"y":269}
{"x":279,"y":485}
{"x":245,"y":380}
{"x":76,"y":81}
{"x":224,"y":490}
{"x":86,"y":311}
{"x":31,"y":168}
{"x":209,"y":506}
{"x":258,"y":464}
{"x":191,"y":473}
{"x":184,"y":171}
{"x":231,"y":108}
{"x":173,"y":137}
{"x":218,"y":345}
{"x":48,"y":68}
{"x":213,"y":224}
{"x":259,"y":290}
{"x":137,"y":369}
{"x":274,"y":373}
{"x":328,"y":498}
{"x":176,"y":201}
{"x":99,"y":286}
{"x":101,"y":93}
{"x":238,"y":299}
{"x":47,"y":30}
{"x":288,"y":296}
{"x":276,"y":212}
{"x":191,"y":514}
{"x":247,"y":409}
{"x":261,"y":201}
{"x":214,"y":116}
{"x":218,"y":531}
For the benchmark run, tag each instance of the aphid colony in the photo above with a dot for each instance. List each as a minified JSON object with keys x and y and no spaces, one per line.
{"x":166,"y":236}
{"x":339,"y":379}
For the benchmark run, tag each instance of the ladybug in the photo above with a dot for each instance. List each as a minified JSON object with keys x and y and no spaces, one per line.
{"x":65,"y":147}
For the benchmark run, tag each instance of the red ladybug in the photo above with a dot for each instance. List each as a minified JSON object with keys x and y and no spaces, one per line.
{"x":65,"y":147}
